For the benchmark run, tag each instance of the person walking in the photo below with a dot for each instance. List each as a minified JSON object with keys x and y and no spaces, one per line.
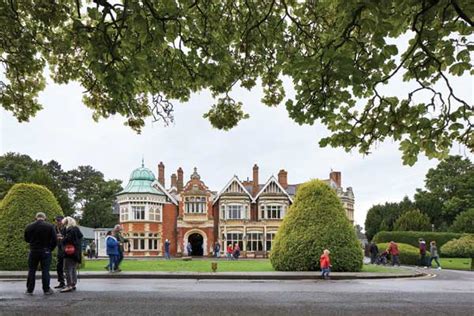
{"x":229,"y":252}
{"x":72,"y":243}
{"x":434,"y":254}
{"x":374,"y":252}
{"x":121,"y":240}
{"x":217,"y":249}
{"x":394,"y":253}
{"x":422,"y":249}
{"x":325,"y":264}
{"x":93,"y":249}
{"x":113,"y":246}
{"x":167,"y":249}
{"x":88,"y":251}
{"x":189,"y":249}
{"x":42,"y":239}
{"x":236,"y":253}
{"x":60,"y":231}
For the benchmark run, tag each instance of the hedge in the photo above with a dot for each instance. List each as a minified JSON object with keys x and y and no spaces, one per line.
{"x":17,"y":210}
{"x":411,"y":238}
{"x":409,"y":254}
{"x":462,"y":247}
{"x":314,"y":222}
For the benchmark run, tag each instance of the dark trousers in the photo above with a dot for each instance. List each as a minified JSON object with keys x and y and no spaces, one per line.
{"x":34,"y":258}
{"x":120,"y":258}
{"x":60,"y":268}
{"x":423,"y":260}
{"x":373,"y":258}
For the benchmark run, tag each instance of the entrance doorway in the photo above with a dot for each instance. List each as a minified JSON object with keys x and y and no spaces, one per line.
{"x":196,"y":241}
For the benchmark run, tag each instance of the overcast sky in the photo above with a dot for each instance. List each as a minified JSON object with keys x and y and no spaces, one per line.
{"x":64,"y":131}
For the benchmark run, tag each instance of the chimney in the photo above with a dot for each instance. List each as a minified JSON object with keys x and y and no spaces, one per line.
{"x":174,"y":181}
{"x":180,"y":180}
{"x":161,"y":173}
{"x":255,"y":180}
{"x":283,"y":178}
{"x":336,"y":177}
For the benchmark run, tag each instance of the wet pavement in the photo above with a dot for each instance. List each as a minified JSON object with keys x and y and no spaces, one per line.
{"x":446,"y":293}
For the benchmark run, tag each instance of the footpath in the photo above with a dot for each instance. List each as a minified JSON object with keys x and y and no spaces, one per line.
{"x":11,"y":275}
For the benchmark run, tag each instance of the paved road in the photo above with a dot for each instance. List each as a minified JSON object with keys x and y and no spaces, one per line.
{"x":449,"y":293}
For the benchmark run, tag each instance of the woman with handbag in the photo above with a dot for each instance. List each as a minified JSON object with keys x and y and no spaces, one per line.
{"x":72,"y":252}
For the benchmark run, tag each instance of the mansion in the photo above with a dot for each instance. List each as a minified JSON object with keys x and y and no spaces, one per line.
{"x":245,"y":212}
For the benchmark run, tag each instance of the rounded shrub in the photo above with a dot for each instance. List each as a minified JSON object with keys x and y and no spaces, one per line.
{"x":17,"y":210}
{"x":316,"y":221}
{"x":409,"y":254}
{"x":460,"y":248}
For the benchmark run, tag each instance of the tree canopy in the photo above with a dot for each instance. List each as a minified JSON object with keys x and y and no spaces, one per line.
{"x":382,"y":217}
{"x":82,"y":192}
{"x":413,"y":220}
{"x":135,"y":57}
{"x":448,"y":192}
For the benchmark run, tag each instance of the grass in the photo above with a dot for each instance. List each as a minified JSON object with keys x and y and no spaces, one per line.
{"x":455,"y":263}
{"x":205,"y":266}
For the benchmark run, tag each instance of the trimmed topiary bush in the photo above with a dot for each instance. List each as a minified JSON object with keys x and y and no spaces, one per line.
{"x":409,"y":255}
{"x":460,"y":248}
{"x":411,"y":238}
{"x":17,"y":210}
{"x":316,"y":221}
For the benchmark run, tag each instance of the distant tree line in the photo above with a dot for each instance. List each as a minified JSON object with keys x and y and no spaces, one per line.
{"x":81,"y":192}
{"x":446,"y":203}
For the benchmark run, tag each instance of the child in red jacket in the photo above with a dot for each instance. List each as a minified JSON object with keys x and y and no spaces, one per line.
{"x":325,"y":264}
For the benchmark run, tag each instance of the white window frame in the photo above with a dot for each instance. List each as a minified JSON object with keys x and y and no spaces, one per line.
{"x":138,"y":210}
{"x":254,"y":241}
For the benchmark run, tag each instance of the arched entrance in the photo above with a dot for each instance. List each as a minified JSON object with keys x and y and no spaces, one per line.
{"x":197,"y":244}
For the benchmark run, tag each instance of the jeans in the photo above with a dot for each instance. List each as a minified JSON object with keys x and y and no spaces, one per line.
{"x":325,"y":272}
{"x":395,"y":260}
{"x":167,"y":254}
{"x":70,"y":266}
{"x":60,"y":268}
{"x":436,"y":260}
{"x":113,"y":262}
{"x":216,"y":254}
{"x":35,"y":257}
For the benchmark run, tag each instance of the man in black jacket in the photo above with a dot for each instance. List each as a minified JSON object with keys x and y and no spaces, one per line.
{"x":42,"y":239}
{"x":60,"y":232}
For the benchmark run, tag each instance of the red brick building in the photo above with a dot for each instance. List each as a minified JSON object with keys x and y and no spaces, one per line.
{"x":245,"y":212}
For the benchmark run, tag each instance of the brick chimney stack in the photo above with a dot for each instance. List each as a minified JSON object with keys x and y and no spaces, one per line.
{"x":161,"y":173}
{"x":283,"y":178}
{"x":255,"y":180}
{"x":180,"y":180}
{"x":174,"y":181}
{"x":336,"y":177}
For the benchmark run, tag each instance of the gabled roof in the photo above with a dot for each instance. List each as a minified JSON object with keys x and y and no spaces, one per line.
{"x":234,"y":179}
{"x":162,"y":189}
{"x":274,"y":180}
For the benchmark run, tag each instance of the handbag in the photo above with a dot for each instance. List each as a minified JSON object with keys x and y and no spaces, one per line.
{"x":69,"y":249}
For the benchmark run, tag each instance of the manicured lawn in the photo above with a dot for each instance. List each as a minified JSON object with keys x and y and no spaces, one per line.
{"x":455,"y":263}
{"x":205,"y":266}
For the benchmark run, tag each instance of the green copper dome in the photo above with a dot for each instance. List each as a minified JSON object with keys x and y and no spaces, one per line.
{"x":141,"y":181}
{"x":142,"y":174}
